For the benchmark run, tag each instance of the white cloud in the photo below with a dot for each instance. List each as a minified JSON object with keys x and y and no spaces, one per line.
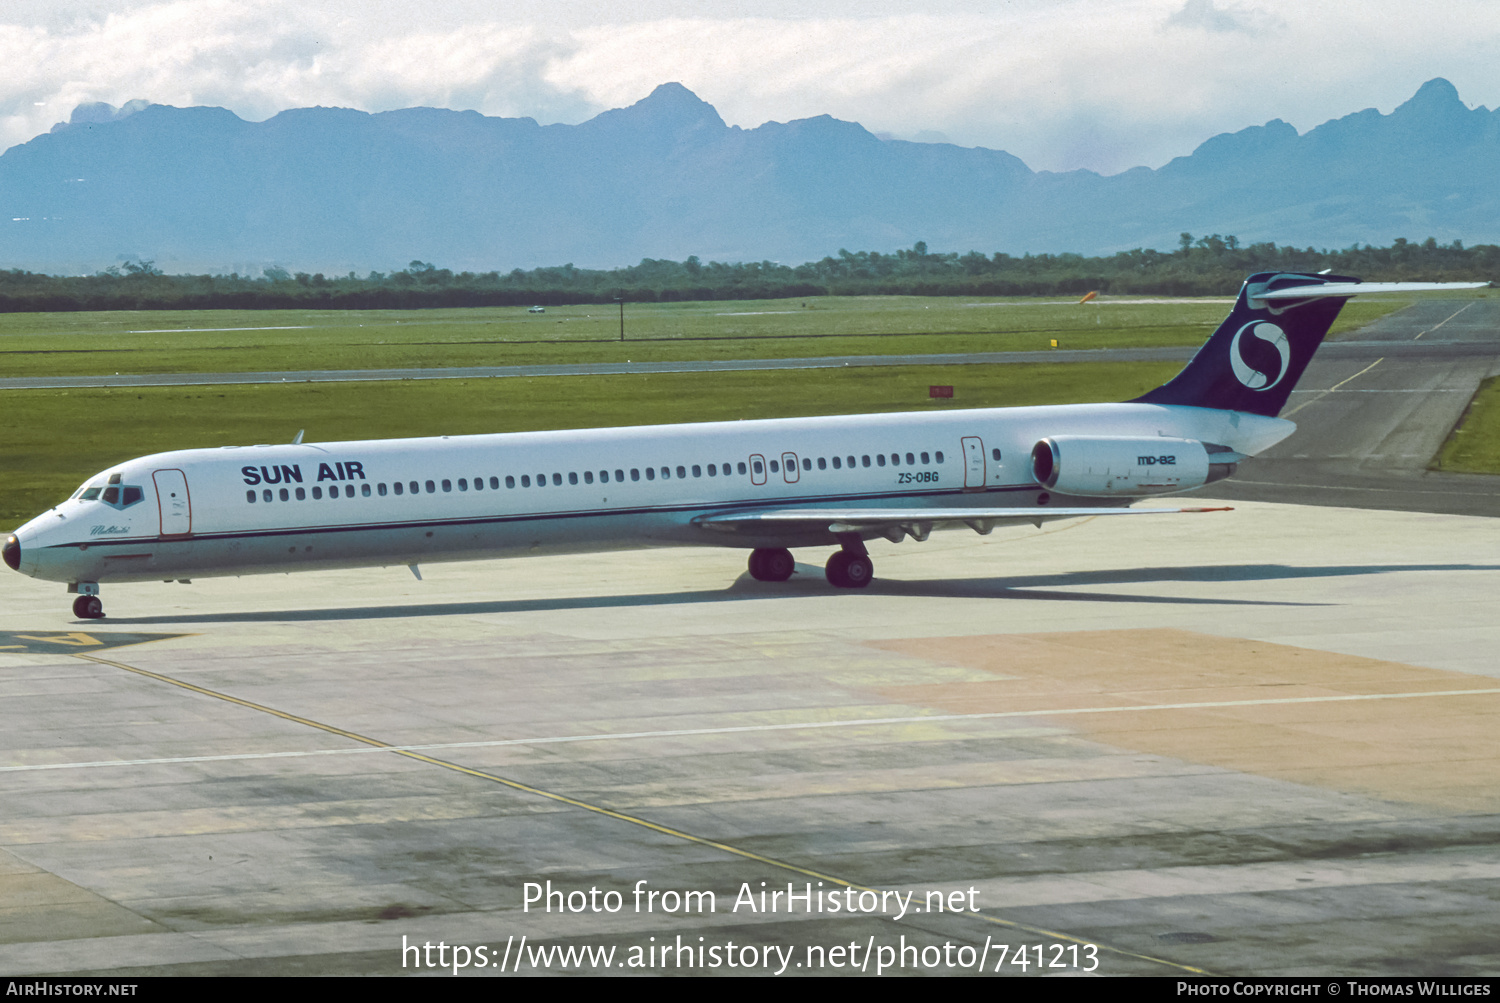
{"x":1105,"y":84}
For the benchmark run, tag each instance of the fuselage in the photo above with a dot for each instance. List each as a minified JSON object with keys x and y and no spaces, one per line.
{"x":276,"y":508}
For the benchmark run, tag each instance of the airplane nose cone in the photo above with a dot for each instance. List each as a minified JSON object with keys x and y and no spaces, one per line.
{"x":12,"y":552}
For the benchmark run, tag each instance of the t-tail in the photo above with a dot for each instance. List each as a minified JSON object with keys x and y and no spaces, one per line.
{"x":1257,"y":355}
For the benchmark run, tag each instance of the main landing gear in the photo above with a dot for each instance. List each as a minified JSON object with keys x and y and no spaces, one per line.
{"x":88,"y":605}
{"x":850,"y":568}
{"x":771,"y":565}
{"x":847,"y":570}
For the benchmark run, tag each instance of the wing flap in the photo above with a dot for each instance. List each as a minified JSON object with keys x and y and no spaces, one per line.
{"x":897,"y":523}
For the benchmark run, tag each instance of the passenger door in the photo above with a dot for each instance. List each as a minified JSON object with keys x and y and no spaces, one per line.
{"x":173,"y":503}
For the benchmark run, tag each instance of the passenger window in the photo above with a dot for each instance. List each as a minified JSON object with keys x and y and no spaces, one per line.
{"x":286,"y":495}
{"x":266,"y":495}
{"x":938,"y":456}
{"x":836,"y":463}
{"x":620,"y":476}
{"x":822,"y":463}
{"x":910,"y":459}
{"x":431,"y":487}
{"x":318,"y":493}
{"x":713,"y":470}
{"x":806,"y":464}
{"x":880,"y":459}
{"x":463,"y":484}
{"x":495,"y":483}
{"x":666,"y":473}
{"x":650,"y":473}
{"x":895,"y":459}
{"x":396,"y":487}
{"x":250,"y":497}
{"x":541,"y":480}
{"x":380,"y":488}
{"x":302,"y":494}
{"x":479,"y":484}
{"x":557,"y":480}
{"x":348,"y":490}
{"x":447,"y":485}
{"x":775,"y":467}
{"x":866,"y":460}
{"x":588,"y":477}
{"x":525,"y":480}
{"x":364,"y":489}
{"x":572,"y":477}
{"x":697,"y":470}
{"x":635,"y":474}
{"x":926,"y":459}
{"x":510,"y":480}
{"x":681,"y":473}
{"x":851,"y":462}
{"x":996,"y":454}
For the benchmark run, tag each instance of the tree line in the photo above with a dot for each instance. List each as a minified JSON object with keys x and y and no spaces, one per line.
{"x":1202,"y":266}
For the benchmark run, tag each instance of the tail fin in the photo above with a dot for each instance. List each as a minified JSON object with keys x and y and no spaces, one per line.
{"x":1255,"y":358}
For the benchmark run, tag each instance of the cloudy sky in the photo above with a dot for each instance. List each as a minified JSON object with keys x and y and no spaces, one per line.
{"x":1102,"y":84}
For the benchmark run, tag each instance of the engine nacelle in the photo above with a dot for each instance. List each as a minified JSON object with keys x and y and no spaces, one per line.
{"x":1110,"y":466}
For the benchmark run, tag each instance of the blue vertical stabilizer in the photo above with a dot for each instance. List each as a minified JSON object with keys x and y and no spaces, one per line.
{"x":1257,"y":355}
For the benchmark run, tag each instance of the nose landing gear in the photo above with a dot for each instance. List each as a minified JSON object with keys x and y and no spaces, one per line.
{"x":88,"y":608}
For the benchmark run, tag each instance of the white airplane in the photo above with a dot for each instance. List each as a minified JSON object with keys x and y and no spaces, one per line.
{"x":765,"y":486}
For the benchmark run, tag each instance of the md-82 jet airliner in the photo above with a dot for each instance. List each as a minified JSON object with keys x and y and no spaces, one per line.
{"x":764,"y":486}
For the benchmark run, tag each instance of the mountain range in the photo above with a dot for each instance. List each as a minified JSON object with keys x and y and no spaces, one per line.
{"x":333,"y":189}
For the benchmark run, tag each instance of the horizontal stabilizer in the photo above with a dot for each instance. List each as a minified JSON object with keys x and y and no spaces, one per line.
{"x":1316,"y":291}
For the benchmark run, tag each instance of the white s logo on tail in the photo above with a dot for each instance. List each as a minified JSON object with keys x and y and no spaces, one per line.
{"x":1272,"y":335}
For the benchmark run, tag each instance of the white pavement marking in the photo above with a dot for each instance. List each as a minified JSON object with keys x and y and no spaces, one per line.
{"x":742,"y":729}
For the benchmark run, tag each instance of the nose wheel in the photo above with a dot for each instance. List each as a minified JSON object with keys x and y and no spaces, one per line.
{"x":88,"y":608}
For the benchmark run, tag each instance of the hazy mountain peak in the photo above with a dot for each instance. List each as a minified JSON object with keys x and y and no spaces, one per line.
{"x":670,"y":107}
{"x":1435,"y":96}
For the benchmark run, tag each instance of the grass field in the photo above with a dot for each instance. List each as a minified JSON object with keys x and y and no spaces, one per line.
{"x":57,"y":344}
{"x":57,"y":438}
{"x":1474,"y":446}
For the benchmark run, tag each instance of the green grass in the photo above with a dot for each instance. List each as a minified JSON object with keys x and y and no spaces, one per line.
{"x":1474,"y":446}
{"x":174,"y":341}
{"x":57,"y":438}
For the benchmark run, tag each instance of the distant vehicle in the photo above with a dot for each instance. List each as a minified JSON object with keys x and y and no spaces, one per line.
{"x":763,"y":486}
{"x":537,"y":309}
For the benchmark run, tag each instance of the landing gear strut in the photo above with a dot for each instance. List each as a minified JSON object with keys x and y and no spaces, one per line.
{"x":850,"y":568}
{"x":770,"y":565}
{"x":88,"y":608}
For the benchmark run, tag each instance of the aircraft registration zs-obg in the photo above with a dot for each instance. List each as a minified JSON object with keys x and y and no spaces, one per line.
{"x":766,"y":486}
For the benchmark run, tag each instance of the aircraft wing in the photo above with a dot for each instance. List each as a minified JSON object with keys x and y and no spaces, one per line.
{"x":896,"y":523}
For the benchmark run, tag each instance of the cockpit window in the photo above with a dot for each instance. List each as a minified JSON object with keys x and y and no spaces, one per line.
{"x":120,"y":496}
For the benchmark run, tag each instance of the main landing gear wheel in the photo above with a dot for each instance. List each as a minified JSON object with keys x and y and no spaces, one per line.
{"x":88,"y":608}
{"x":849,"y":571}
{"x":771,"y":565}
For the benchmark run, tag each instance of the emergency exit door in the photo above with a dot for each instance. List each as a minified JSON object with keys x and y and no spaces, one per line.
{"x":973,"y":463}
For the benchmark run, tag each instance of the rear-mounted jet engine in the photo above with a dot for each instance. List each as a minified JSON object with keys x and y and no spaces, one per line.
{"x":1107,"y":466}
